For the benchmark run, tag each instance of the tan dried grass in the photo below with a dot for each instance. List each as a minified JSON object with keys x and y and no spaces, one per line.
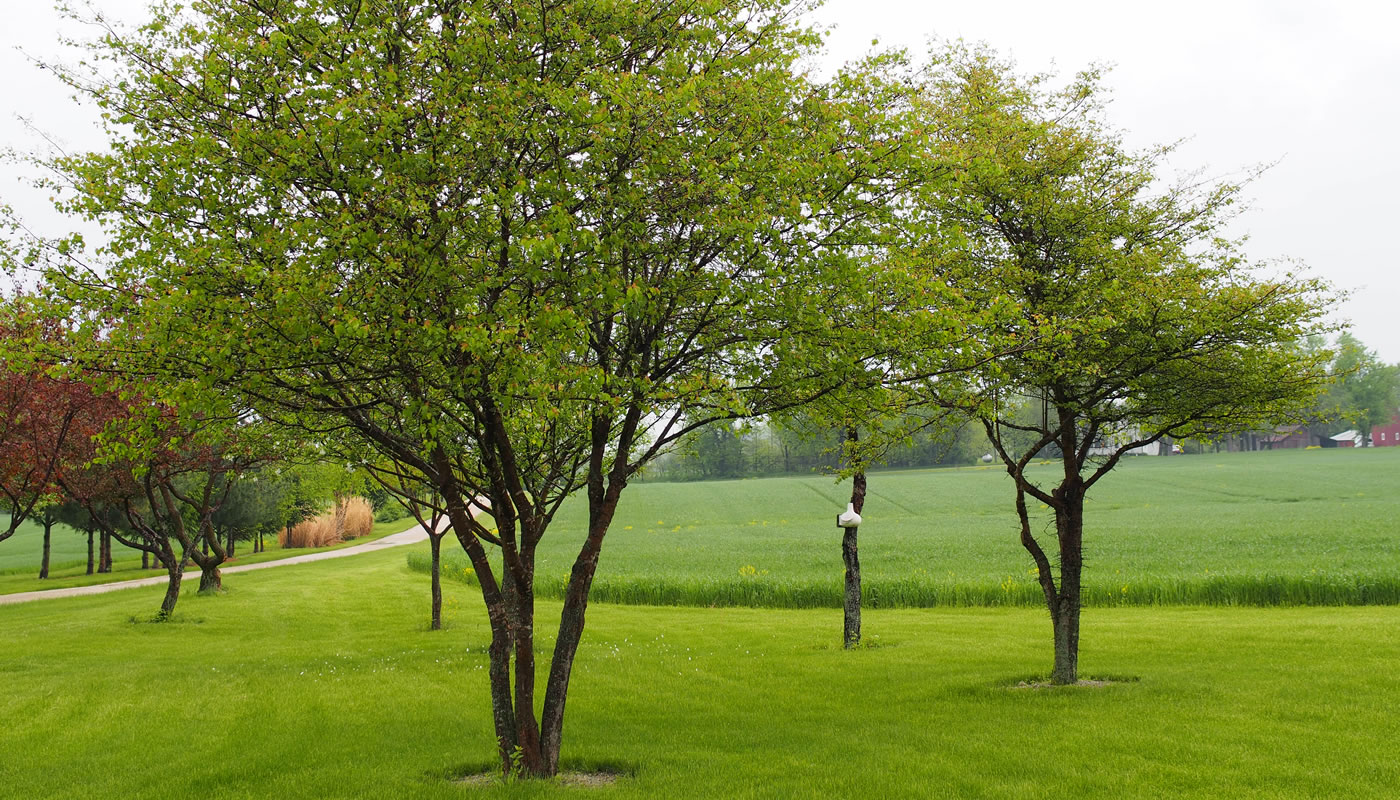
{"x":359,"y":517}
{"x":356,"y":513}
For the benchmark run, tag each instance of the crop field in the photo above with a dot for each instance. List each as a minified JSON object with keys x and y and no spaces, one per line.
{"x":1317,"y":527}
{"x":323,"y":681}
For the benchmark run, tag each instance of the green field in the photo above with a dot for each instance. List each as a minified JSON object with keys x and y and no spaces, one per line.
{"x":1316,"y":527}
{"x":323,"y":681}
{"x":68,"y":548}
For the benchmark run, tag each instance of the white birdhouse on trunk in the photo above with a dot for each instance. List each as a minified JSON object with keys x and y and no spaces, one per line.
{"x":849,"y":518}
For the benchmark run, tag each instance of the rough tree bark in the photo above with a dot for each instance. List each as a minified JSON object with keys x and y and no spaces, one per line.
{"x":174,"y":571}
{"x":435,"y":543}
{"x":1069,"y":525}
{"x":850,"y":635}
{"x":1063,"y":598}
{"x":48,"y":534}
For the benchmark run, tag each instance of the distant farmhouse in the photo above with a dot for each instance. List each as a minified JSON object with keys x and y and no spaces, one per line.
{"x":1284,"y":437}
{"x":1387,"y":435}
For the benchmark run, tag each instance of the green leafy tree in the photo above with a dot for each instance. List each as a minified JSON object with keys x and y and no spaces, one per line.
{"x":513,"y":249}
{"x":252,"y":509}
{"x":1367,"y":392}
{"x":1134,"y":318}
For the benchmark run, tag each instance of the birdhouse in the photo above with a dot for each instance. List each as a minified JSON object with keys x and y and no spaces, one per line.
{"x":849,"y":519}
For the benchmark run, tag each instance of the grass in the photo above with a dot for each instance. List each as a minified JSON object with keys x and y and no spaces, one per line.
{"x":322,"y":680}
{"x":126,"y":563}
{"x":1314,"y":527}
{"x":24,"y":550}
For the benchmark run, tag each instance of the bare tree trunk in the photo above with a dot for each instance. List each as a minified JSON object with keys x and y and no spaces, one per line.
{"x":850,"y":635}
{"x":174,"y":569}
{"x":104,"y":557}
{"x":90,"y":562}
{"x":850,"y":631}
{"x":210,"y":579}
{"x":145,"y":560}
{"x":48,"y":536}
{"x":571,"y":623}
{"x":435,"y":542}
{"x":521,"y":608}
{"x":1065,"y":620}
{"x":1069,"y":523}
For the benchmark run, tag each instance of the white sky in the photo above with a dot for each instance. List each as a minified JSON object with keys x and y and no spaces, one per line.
{"x":1313,"y":85}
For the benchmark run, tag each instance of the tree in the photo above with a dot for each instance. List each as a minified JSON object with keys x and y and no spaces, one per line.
{"x":169,"y":479}
{"x":1134,"y":318}
{"x":252,"y":509}
{"x":48,"y":516}
{"x":513,"y":249}
{"x":42,"y":416}
{"x":1368,"y":390}
{"x":430,"y":512}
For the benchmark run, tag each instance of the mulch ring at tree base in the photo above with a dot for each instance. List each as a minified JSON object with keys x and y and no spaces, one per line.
{"x":1089,"y":683}
{"x":587,"y":780}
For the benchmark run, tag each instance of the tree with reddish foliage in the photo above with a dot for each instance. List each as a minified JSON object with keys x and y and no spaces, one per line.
{"x":44,"y":417}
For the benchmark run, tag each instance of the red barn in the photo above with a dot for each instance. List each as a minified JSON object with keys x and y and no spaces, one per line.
{"x":1387,"y":435}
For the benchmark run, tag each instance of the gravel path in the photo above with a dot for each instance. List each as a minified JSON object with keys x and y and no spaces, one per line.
{"x":410,"y":536}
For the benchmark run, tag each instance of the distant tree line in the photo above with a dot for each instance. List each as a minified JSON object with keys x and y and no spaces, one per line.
{"x":729,"y":450}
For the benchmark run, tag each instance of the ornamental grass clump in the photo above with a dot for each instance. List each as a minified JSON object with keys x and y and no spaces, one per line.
{"x":352,"y":518}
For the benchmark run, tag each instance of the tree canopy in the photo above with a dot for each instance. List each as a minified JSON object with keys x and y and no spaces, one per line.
{"x":508,"y":250}
{"x":1132,"y":318}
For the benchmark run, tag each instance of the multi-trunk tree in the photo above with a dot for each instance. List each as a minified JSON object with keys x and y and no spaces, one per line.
{"x":512,"y":249}
{"x":167,"y":479}
{"x":1131,"y":316}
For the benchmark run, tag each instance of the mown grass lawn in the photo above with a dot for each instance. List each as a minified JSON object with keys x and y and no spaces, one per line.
{"x":25,"y":548}
{"x":322,"y":680}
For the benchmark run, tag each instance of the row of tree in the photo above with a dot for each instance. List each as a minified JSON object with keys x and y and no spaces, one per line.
{"x":727,"y":450}
{"x":501,"y":252}
{"x":119,"y":465}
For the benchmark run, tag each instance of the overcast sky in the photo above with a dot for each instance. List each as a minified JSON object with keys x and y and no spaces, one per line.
{"x":1311,"y":85}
